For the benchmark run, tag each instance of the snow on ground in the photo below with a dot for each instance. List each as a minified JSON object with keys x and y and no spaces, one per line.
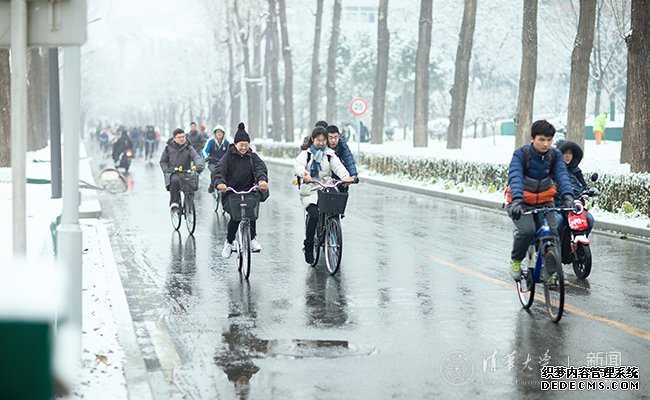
{"x":101,"y":375}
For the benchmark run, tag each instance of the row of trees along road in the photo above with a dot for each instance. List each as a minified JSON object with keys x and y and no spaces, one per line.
{"x":256,"y":43}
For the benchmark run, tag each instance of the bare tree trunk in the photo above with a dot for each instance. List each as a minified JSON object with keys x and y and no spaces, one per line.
{"x":315,"y":67}
{"x":580,"y":72}
{"x":37,"y":131}
{"x":172,"y":110}
{"x":461,"y":77}
{"x":288,"y":74}
{"x":636,"y":130}
{"x":5,"y":109}
{"x":235,"y":87}
{"x":528,"y":74}
{"x":330,"y":86}
{"x":379,"y":96}
{"x":254,"y":117}
{"x":275,"y":80}
{"x":243,"y":41}
{"x":421,"y":113}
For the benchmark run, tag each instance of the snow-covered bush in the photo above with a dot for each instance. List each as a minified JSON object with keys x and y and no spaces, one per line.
{"x":617,"y":191}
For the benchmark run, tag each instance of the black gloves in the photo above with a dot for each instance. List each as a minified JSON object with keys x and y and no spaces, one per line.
{"x":516,"y":208}
{"x":568,"y":201}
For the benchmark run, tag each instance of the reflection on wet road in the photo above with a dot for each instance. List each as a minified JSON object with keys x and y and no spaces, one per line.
{"x":422,"y":306}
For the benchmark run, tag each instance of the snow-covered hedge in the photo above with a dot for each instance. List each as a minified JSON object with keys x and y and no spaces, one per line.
{"x":627,"y":193}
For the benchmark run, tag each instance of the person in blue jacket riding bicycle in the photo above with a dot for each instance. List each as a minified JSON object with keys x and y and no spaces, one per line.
{"x":537,"y":171}
{"x":215,"y":148}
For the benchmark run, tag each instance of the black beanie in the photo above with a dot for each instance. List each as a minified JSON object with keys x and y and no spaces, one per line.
{"x":241,"y":135}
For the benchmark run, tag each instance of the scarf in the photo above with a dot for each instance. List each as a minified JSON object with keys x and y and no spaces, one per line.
{"x":318,"y":154}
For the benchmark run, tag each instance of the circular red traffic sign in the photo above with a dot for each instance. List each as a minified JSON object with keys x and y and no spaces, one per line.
{"x":358,"y":106}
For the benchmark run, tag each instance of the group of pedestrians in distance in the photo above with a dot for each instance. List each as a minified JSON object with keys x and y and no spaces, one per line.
{"x":323,"y":156}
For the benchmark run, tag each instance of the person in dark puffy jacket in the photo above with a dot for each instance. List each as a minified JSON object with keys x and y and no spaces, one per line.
{"x":537,"y":171}
{"x":240,"y":168}
{"x":178,"y":153}
{"x":572,"y":154}
{"x":195,"y":138}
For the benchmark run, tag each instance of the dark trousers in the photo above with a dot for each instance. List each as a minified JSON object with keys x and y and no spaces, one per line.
{"x":312,"y":221}
{"x":232,"y":230}
{"x":174,"y":189}
{"x":526,"y":226}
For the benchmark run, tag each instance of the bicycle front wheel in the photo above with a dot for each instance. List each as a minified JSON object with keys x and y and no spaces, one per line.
{"x":582,"y":261}
{"x":553,"y":289}
{"x":176,"y":216}
{"x":333,"y":246}
{"x":526,"y":284}
{"x":190,"y":214}
{"x":244,"y":248}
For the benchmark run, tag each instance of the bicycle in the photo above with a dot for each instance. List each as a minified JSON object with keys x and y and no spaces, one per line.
{"x":248,"y":203}
{"x":329,"y":237}
{"x":186,"y":207}
{"x":543,"y":255}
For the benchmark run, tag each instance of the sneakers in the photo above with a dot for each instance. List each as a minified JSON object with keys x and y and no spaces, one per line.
{"x":515,"y":269}
{"x":227,"y":249}
{"x":256,"y":247}
{"x":552,"y":280}
{"x":173,"y":207}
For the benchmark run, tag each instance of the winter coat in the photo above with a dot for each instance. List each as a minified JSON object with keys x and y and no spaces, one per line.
{"x":599,"y":122}
{"x":213,"y":151}
{"x":539,"y":169}
{"x":329,"y":164}
{"x":176,"y":155}
{"x":576,"y":177}
{"x":196,"y":140}
{"x":343,"y":152}
{"x":239,"y":171}
{"x":122,"y":144}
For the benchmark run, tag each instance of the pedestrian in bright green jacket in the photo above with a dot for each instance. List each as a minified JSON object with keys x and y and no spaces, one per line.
{"x":599,"y":127}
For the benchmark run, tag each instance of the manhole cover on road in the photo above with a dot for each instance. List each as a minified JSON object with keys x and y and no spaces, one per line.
{"x":303,"y":348}
{"x":456,"y":368}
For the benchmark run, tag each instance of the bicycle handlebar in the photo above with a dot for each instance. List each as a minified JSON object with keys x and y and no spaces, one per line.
{"x":180,"y":169}
{"x":547,"y":209}
{"x":253,"y":189}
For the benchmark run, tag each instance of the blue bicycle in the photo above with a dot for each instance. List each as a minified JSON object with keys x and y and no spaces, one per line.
{"x":543,"y":256}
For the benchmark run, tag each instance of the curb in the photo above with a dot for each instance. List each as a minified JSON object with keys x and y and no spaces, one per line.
{"x":135,"y":371}
{"x":610,"y":228}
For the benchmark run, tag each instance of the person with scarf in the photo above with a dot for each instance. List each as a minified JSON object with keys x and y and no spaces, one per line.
{"x":316,"y":162}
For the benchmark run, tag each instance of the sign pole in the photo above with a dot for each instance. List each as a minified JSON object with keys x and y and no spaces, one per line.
{"x":69,"y":232}
{"x":358,"y":107}
{"x":19,"y":124}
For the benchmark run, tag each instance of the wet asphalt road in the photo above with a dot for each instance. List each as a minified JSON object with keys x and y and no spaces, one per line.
{"x":422,"y":307}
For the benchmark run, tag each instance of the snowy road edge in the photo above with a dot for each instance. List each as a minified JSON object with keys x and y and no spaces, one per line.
{"x":601,"y":226}
{"x":135,"y":371}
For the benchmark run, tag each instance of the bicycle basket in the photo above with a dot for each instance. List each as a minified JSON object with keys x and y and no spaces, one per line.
{"x":249,"y":203}
{"x":332,"y":202}
{"x":189,"y":182}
